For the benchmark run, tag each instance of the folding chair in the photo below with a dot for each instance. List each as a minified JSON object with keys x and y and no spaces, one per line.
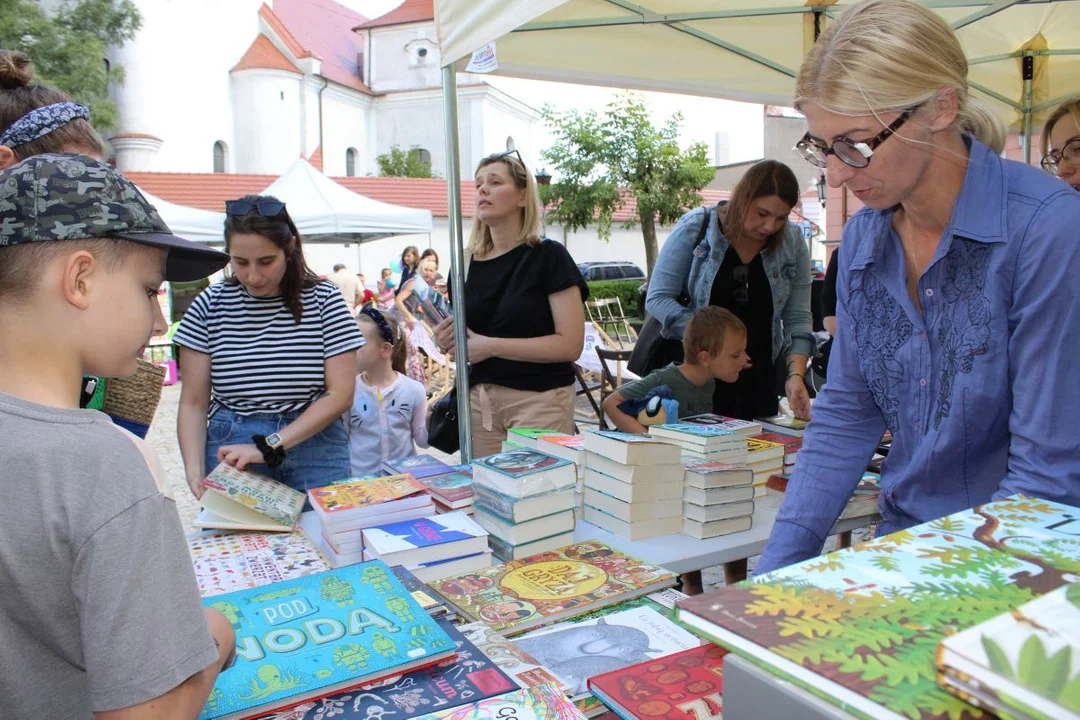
{"x":606,"y":314}
{"x":609,"y":382}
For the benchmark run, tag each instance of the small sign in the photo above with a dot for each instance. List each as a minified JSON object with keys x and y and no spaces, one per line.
{"x":483,"y":60}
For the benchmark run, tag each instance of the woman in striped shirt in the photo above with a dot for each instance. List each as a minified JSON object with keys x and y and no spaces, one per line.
{"x":267,"y":358}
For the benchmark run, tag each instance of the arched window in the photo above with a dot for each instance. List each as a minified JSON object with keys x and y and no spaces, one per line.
{"x":422,"y":156}
{"x":219,"y":157}
{"x":350,"y":162}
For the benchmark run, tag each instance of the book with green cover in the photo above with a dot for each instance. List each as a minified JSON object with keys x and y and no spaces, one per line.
{"x":859,"y":627}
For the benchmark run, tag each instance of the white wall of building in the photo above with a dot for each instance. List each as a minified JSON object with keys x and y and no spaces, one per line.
{"x":177,"y":84}
{"x":346,"y":116}
{"x":404,"y":57}
{"x":268,"y":135}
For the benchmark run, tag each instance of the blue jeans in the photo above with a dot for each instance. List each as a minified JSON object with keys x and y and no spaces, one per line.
{"x":319,"y":460}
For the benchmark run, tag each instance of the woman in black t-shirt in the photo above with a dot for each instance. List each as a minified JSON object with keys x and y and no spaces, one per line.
{"x":524,"y":307}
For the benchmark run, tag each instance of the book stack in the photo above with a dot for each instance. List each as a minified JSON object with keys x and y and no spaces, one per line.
{"x":791,"y":443}
{"x":633,"y":484}
{"x":529,"y":437}
{"x":764,"y":458}
{"x":735,"y":425}
{"x":343,"y":510}
{"x":419,"y":466}
{"x":863,"y":500}
{"x":784,"y":424}
{"x":525,"y":500}
{"x":431,"y":548}
{"x":572,"y":448}
{"x":718,"y":499}
{"x":710,"y":443}
{"x":452,"y":491}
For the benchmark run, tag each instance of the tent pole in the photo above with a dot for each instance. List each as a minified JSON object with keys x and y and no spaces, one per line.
{"x":457,"y":256}
{"x":1028,"y":70}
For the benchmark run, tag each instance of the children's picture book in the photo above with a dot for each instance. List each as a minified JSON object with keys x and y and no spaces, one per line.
{"x":630,"y":449}
{"x":469,"y":677}
{"x":1022,"y":663}
{"x":534,"y":703}
{"x":229,"y":561}
{"x":245,"y":500}
{"x":686,"y":685}
{"x":519,"y":473}
{"x":547,"y":587}
{"x":318,"y":635}
{"x":525,"y":670}
{"x":419,"y":466}
{"x":454,"y":489}
{"x":735,"y":425}
{"x":371,"y":496}
{"x":434,"y":603}
{"x":422,"y":540}
{"x":859,"y":627}
{"x":577,"y":651}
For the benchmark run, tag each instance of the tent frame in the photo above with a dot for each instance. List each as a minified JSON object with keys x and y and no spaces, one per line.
{"x":642,"y":15}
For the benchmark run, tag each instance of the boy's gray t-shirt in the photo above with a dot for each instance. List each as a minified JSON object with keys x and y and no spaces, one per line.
{"x":99,"y":608}
{"x":693,"y":399}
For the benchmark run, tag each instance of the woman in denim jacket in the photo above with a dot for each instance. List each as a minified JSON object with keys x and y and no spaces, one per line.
{"x":755,"y":263}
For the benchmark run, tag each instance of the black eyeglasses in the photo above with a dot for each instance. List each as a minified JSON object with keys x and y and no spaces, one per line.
{"x":266,"y":208}
{"x":741,"y":275}
{"x":380,"y":322}
{"x":851,"y":152}
{"x":1069,"y":152}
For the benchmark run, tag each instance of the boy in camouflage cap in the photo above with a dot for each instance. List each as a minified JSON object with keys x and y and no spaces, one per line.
{"x":100,"y":611}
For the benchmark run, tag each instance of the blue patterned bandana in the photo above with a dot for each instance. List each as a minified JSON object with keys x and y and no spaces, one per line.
{"x":42,"y":121}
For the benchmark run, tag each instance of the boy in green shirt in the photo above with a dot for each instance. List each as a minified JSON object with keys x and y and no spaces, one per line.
{"x":714,"y":346}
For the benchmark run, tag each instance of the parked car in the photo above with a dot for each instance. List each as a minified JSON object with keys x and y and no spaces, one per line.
{"x":618,"y":270}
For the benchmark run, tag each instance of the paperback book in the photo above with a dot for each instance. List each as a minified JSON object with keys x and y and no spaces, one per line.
{"x":343,"y":503}
{"x":423,"y":540}
{"x":318,"y":635}
{"x":229,"y":561}
{"x":523,"y":594}
{"x":469,"y":677}
{"x":630,"y":449}
{"x":453,"y":490}
{"x":859,"y":627}
{"x":419,"y":466}
{"x":784,"y":424}
{"x":529,"y":437}
{"x":244,"y":500}
{"x":520,"y":473}
{"x":568,"y":447}
{"x":735,"y":425}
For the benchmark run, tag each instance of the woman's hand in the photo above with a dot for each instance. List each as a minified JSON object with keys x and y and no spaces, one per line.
{"x":240,"y":456}
{"x":798,"y":397}
{"x":480,"y":347}
{"x":444,"y":335}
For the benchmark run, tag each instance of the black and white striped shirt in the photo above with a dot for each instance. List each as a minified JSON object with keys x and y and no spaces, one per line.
{"x":261,"y":360}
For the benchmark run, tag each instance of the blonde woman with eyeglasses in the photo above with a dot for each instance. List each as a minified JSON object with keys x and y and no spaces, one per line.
{"x":524,"y":300}
{"x":957,"y":297}
{"x":1061,"y":143}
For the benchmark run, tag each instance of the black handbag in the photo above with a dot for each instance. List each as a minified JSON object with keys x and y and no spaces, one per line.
{"x":652,"y":350}
{"x":442,"y":426}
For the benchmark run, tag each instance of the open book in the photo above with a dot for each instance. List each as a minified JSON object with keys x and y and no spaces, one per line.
{"x":244,"y":500}
{"x":429,"y":306}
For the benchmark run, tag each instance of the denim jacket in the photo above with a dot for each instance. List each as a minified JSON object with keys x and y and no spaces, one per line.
{"x":979,"y":389}
{"x":681,"y":266}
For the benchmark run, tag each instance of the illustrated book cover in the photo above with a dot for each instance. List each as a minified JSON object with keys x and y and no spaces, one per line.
{"x":686,"y":685}
{"x":425,"y":539}
{"x":245,"y":500}
{"x":453,"y":489}
{"x":365,"y":497}
{"x":318,"y":635}
{"x":419,"y":466}
{"x":577,"y":651}
{"x":735,"y":425}
{"x":1024,"y":663}
{"x":229,"y":561}
{"x":534,"y":703}
{"x":519,"y":473}
{"x":525,"y":670}
{"x":859,"y":627}
{"x":434,"y":603}
{"x":469,"y":677}
{"x":522,"y":594}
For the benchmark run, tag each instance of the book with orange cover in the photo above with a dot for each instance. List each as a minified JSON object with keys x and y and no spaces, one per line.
{"x":342,"y":503}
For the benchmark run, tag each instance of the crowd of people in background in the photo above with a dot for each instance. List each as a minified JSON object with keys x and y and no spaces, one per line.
{"x":952,"y":318}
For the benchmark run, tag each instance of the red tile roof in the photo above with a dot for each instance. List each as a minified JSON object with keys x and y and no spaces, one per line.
{"x":283,"y":32}
{"x":316,"y":159}
{"x":264,"y":54}
{"x":324,"y":28}
{"x":410,"y":11}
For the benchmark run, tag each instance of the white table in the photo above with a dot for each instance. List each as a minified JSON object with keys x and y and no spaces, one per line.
{"x":683,"y":554}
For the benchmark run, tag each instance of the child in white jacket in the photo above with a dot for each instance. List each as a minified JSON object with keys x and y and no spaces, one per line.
{"x":388,"y":415}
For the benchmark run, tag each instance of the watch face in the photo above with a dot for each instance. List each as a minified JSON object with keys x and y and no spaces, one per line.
{"x":273,"y":440}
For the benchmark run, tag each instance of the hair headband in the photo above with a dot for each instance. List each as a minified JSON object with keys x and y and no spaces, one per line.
{"x":42,"y":121}
{"x":380,"y":322}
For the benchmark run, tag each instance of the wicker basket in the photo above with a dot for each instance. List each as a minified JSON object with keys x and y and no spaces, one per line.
{"x":135,"y":398}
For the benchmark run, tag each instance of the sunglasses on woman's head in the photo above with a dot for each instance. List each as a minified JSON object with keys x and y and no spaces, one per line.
{"x":851,"y":152}
{"x":266,"y":208}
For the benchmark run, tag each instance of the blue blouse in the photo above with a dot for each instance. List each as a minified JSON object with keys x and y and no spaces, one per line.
{"x":979,"y":391}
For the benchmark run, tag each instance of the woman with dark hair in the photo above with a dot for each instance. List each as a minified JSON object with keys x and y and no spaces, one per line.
{"x":753,"y":262}
{"x":268,"y":361}
{"x":410,"y":259}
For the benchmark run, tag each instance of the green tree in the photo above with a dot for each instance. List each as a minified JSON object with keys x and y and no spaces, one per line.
{"x":69,"y":46}
{"x":603,"y":162}
{"x":404,"y":163}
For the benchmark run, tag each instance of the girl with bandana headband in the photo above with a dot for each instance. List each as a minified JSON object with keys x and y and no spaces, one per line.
{"x":389,"y":411}
{"x":37,"y":119}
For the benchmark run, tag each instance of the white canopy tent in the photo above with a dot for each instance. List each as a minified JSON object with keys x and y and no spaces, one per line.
{"x":1024,"y":56}
{"x":190,"y":223}
{"x":326,"y":212}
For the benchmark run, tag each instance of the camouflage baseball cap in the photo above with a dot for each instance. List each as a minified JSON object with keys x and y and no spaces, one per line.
{"x":48,"y":198}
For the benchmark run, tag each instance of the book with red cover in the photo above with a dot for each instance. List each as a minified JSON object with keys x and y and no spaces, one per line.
{"x":684,"y":686}
{"x":791,"y":444}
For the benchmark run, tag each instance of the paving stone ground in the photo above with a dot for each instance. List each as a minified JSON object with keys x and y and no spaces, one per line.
{"x":162,"y":438}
